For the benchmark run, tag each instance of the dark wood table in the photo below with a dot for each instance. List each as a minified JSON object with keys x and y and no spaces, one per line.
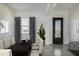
{"x":21,"y":49}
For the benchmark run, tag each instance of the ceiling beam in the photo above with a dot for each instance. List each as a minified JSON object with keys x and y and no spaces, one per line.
{"x":50,"y":7}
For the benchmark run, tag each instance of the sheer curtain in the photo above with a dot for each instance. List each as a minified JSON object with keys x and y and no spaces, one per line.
{"x":25,"y":28}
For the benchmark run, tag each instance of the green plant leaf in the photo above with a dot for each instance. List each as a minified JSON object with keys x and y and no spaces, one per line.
{"x":42,"y":32}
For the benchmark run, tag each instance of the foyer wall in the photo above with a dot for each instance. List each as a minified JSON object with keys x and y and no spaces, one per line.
{"x":46,"y":19}
{"x":74,"y":26}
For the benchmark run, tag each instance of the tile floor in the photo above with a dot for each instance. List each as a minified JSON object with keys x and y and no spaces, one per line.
{"x":57,"y":50}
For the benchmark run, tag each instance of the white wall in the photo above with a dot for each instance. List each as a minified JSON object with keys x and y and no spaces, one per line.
{"x":47,"y":22}
{"x":46,"y":19}
{"x":42,"y":17}
{"x":74,"y":24}
{"x":7,"y":14}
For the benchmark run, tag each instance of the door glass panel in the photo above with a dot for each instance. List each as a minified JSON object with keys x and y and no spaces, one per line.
{"x":57,"y":29}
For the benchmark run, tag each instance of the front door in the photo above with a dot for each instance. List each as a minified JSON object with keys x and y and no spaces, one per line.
{"x":57,"y":30}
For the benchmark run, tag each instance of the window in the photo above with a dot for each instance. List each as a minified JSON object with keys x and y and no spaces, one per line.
{"x":3,"y":26}
{"x":25,"y":25}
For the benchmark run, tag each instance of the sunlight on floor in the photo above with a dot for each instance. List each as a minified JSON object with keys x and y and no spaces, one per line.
{"x":57,"y":52}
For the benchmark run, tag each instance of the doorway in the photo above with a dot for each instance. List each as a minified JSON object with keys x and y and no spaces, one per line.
{"x":58,"y":30}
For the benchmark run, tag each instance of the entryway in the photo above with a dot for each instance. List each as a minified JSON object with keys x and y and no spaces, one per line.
{"x":58,"y":30}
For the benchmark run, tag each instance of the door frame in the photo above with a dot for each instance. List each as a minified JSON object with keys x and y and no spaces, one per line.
{"x":58,"y":40}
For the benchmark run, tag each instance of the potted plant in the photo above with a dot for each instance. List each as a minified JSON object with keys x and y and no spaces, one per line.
{"x":42,"y":33}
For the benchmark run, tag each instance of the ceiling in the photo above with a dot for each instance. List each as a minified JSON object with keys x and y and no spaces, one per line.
{"x":28,"y":6}
{"x":42,"y":6}
{"x":67,"y":6}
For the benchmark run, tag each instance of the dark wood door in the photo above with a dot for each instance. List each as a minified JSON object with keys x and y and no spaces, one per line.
{"x":57,"y":30}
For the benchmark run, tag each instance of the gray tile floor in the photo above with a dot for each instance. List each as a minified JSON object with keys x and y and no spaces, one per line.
{"x":57,"y":50}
